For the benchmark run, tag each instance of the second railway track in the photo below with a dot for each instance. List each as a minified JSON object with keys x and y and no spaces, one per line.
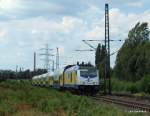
{"x":127,"y":103}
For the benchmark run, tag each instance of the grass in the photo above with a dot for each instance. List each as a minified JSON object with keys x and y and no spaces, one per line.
{"x":19,"y":98}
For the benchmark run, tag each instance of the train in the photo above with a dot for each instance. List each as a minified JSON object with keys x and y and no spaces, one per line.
{"x":80,"y":78}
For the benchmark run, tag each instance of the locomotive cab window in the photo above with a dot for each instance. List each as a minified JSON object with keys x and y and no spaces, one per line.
{"x":89,"y":72}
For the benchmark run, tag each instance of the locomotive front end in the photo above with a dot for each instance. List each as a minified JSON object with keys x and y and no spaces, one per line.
{"x":88,"y":79}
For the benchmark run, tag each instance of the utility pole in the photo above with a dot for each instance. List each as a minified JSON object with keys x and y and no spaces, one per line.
{"x":107,"y":55}
{"x":57,"y":59}
{"x":16,"y":68}
{"x":107,"y":41}
{"x":47,"y":56}
{"x":53,"y":66}
{"x":34,"y":62}
{"x":16,"y":71}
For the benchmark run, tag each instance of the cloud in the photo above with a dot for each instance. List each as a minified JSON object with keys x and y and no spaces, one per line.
{"x":61,"y":24}
{"x":70,"y":23}
{"x":97,"y":33}
{"x":137,"y":4}
{"x":3,"y":34}
{"x":22,"y":9}
{"x":8,"y":4}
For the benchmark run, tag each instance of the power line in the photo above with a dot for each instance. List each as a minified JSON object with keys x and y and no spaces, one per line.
{"x":85,"y":50}
{"x":89,"y":44}
{"x":93,"y":48}
{"x":104,"y":40}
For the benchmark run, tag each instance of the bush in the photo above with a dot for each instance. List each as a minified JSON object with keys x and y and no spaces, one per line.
{"x":120,"y":86}
{"x":125,"y":86}
{"x":145,"y":84}
{"x":133,"y":88}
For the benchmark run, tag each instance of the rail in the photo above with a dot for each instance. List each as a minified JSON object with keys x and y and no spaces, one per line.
{"x":127,"y":103}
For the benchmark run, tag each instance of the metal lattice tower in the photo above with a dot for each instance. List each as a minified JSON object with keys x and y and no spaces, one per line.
{"x":47,"y":56}
{"x":57,"y":59}
{"x":107,"y":46}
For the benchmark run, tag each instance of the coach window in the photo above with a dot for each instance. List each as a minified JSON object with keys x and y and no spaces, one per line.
{"x":68,"y":76}
{"x":71,"y":76}
{"x":59,"y":77}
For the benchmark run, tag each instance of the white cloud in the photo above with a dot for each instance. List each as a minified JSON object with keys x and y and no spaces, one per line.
{"x":3,"y":34}
{"x":24,"y":9}
{"x":137,"y":4}
{"x":96,"y":33}
{"x":24,"y":36}
{"x":127,"y":20}
{"x":70,"y":23}
{"x":8,"y":4}
{"x":41,"y":24}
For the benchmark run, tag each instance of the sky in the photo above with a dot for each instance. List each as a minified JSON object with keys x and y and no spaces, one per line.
{"x":27,"y":25}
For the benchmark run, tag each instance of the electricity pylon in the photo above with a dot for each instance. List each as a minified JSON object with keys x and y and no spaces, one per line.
{"x":47,"y":54}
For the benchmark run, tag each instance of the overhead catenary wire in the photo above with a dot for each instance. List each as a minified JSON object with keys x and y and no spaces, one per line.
{"x":103,"y":40}
{"x":85,"y":50}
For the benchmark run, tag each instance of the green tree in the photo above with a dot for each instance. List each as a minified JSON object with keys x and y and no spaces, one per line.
{"x":133,"y":59}
{"x":100,"y":59}
{"x":97,"y":55}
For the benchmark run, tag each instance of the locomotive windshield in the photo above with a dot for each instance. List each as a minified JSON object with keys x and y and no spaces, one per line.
{"x":88,"y":72}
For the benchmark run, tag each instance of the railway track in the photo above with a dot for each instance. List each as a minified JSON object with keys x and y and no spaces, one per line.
{"x":127,"y":103}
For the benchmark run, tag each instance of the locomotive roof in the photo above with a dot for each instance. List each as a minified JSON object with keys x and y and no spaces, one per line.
{"x":73,"y":67}
{"x":77,"y":67}
{"x":88,"y":67}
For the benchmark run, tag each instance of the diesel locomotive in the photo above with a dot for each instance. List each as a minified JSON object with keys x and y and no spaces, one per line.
{"x":84,"y":79}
